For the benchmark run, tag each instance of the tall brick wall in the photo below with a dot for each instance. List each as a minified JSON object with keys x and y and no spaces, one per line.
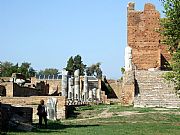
{"x":143,"y":37}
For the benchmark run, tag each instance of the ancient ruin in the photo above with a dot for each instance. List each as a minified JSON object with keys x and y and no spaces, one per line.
{"x":81,"y":89}
{"x":143,"y":84}
{"x":58,"y":92}
{"x":144,"y":38}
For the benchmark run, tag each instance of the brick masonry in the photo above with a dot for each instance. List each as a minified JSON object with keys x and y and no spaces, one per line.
{"x":143,"y":38}
{"x":54,"y":85}
{"x":125,"y":89}
{"x":14,"y":90}
{"x":141,"y":87}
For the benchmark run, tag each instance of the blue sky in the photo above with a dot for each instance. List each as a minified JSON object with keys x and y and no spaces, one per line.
{"x":47,"y":32}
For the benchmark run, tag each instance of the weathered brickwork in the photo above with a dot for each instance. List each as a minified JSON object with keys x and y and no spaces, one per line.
{"x":14,"y":90}
{"x":54,"y":85}
{"x":143,"y":38}
{"x":125,"y":89}
{"x":140,"y":87}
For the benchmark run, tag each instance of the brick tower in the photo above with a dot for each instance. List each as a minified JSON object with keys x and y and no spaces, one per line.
{"x":143,"y":38}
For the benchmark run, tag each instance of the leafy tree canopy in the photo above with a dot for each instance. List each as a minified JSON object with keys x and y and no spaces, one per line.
{"x":7,"y":68}
{"x":74,"y":64}
{"x":77,"y":63}
{"x":70,"y":66}
{"x":171,"y":32}
{"x":94,"y":70}
{"x":49,"y":71}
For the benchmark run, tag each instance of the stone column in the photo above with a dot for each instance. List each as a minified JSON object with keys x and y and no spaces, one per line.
{"x":99,"y":89}
{"x":98,"y":94}
{"x":90,"y":95}
{"x":77,"y":86}
{"x":64,"y":82}
{"x":128,"y":58}
{"x":86,"y":93}
{"x":94,"y":90}
{"x":70,"y":88}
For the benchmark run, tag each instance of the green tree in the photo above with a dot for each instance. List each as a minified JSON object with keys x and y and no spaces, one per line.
{"x":74,"y":64}
{"x":32,"y":72}
{"x":24,"y":69}
{"x":49,"y":71}
{"x":70,"y":66}
{"x":6,"y":69}
{"x":171,"y":32}
{"x":99,"y":73}
{"x":90,"y":71}
{"x":94,"y":70}
{"x":78,"y":64}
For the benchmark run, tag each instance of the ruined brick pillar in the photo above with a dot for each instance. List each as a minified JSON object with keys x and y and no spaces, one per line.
{"x":143,"y":37}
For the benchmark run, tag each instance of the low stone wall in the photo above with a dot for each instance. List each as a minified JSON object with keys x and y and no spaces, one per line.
{"x":14,"y":90}
{"x":33,"y":102}
{"x":20,"y":91}
{"x":54,"y":85}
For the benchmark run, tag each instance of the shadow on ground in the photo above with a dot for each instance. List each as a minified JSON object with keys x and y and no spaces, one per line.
{"x":53,"y":126}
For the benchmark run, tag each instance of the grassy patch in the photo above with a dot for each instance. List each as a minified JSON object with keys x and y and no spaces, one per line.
{"x":119,"y":108}
{"x":92,"y":107}
{"x":87,"y":111}
{"x":149,"y":122}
